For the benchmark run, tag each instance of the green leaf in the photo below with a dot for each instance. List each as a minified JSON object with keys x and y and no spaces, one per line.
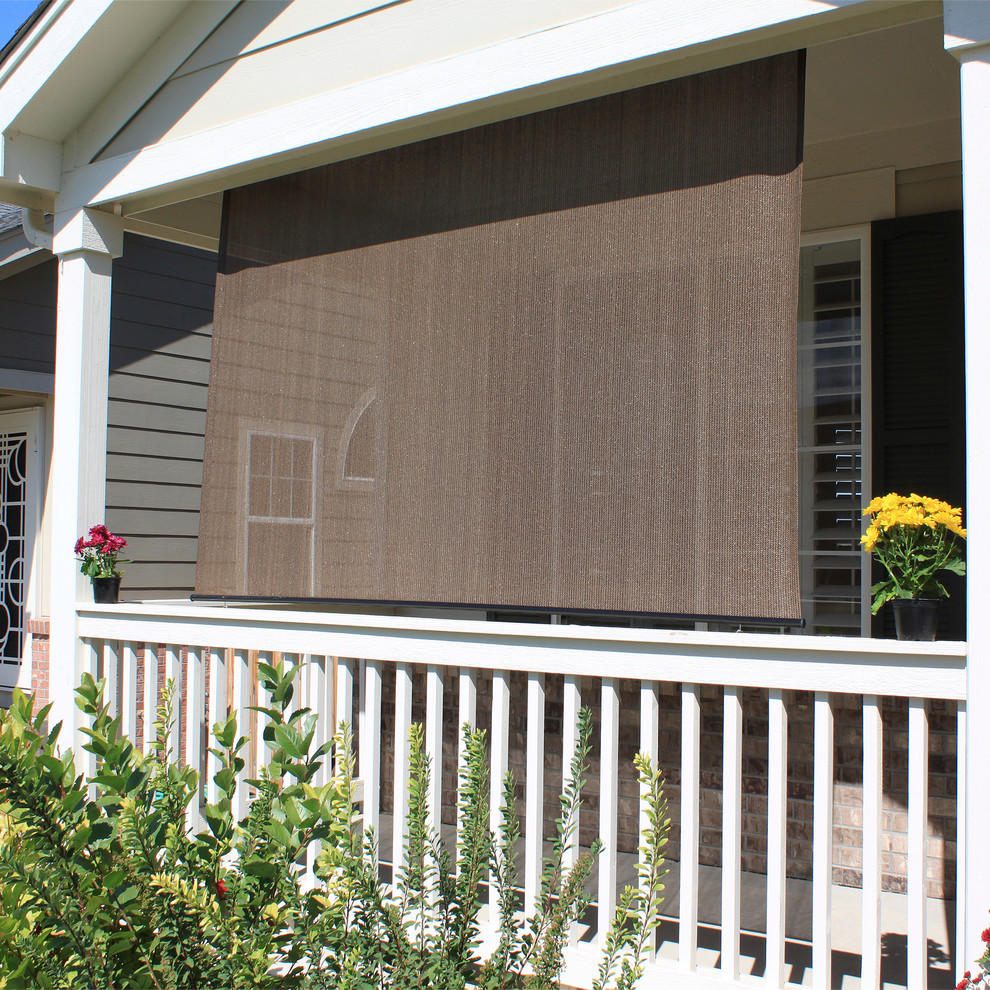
{"x":260,"y":868}
{"x":279,"y":833}
{"x":292,"y":812}
{"x":226,"y":731}
{"x":127,"y":894}
{"x":100,"y":830}
{"x":288,"y":740}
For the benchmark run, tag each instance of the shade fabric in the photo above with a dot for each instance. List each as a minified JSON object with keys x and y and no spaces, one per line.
{"x":548,"y":362}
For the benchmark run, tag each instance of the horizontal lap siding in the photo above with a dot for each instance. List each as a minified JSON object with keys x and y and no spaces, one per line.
{"x":160,"y":340}
{"x":160,"y":363}
{"x":27,"y":320}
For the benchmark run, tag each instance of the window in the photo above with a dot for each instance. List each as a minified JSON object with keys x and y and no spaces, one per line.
{"x":833,"y":449}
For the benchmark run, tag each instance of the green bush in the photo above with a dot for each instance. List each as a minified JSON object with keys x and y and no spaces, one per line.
{"x":106,"y":886}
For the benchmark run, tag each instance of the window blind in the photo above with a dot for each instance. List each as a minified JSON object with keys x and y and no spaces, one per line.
{"x":543,"y":363}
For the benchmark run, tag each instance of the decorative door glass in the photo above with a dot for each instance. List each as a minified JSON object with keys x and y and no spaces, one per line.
{"x":13,"y":538}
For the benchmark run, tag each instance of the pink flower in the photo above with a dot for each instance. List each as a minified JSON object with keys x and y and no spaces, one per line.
{"x":99,"y":532}
{"x":986,"y":935}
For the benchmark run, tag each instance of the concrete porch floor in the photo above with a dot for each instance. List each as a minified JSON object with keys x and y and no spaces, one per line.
{"x":943,"y":971}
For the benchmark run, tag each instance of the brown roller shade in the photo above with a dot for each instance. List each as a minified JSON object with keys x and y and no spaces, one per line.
{"x":548,"y":362}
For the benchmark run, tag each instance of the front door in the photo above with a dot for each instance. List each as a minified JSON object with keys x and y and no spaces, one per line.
{"x":20,"y":491}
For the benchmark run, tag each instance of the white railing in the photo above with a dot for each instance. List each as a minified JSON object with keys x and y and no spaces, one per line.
{"x":790,"y":677}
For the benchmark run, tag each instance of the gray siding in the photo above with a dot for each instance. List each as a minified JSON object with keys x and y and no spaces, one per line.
{"x":27,"y":319}
{"x":160,"y":337}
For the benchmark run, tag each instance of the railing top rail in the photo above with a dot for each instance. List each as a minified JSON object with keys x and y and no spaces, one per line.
{"x":754,"y":659}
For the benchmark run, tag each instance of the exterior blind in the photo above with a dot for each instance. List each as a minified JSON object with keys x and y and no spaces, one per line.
{"x":543,"y":363}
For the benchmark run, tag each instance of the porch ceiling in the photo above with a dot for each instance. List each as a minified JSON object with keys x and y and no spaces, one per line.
{"x":888,"y":99}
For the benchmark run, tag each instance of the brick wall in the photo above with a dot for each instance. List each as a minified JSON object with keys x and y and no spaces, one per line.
{"x":846,"y":794}
{"x":38,"y":630}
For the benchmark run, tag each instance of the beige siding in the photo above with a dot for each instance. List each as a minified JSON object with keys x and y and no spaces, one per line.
{"x":263,"y":56}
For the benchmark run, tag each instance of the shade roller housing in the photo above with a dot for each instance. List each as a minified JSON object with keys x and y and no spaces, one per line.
{"x":544,"y":363}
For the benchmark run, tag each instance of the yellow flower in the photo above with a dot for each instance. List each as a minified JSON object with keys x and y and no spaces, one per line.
{"x":912,"y":511}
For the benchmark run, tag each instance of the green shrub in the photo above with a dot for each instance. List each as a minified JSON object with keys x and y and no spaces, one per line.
{"x":105,"y":886}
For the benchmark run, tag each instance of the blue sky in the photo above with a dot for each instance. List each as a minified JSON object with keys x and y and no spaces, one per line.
{"x":12,"y":14}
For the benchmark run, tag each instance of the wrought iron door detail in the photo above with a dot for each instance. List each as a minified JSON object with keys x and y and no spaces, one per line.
{"x":13,"y":523}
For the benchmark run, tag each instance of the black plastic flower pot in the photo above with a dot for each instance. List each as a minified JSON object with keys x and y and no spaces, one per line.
{"x":916,"y":618}
{"x":106,"y":590}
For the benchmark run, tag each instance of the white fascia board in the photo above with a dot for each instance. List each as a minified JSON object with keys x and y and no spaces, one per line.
{"x":487,"y":84}
{"x":53,"y":39}
{"x":31,"y":40}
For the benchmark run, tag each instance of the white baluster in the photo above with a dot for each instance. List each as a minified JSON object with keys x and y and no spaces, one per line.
{"x":535,"y":750}
{"x":467,"y":714}
{"x":433,"y":732}
{"x":150,"y":704}
{"x":821,"y":888}
{"x":649,"y":745}
{"x":608,"y":807}
{"x":917,"y":878}
{"x":371,"y":742}
{"x":500,"y":744}
{"x":731,"y":829}
{"x":128,"y":690}
{"x":173,"y":673}
{"x":776,"y":838}
{"x":217,"y":713}
{"x":263,"y":750}
{"x":240,"y":701}
{"x":569,"y":742}
{"x":962,"y":783}
{"x":400,"y":788}
{"x":872,"y":827}
{"x":690,"y":824}
{"x":194,"y":726}
{"x":91,"y":657}
{"x":110,"y":669}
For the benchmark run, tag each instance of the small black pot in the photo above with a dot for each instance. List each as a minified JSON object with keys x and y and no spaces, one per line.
{"x":916,"y":618}
{"x":106,"y":590}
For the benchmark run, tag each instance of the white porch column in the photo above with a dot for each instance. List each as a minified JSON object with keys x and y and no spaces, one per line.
{"x":967,"y":36}
{"x":86,"y":241}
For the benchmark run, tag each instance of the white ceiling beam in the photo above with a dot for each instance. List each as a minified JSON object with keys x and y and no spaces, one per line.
{"x":631,"y":45}
{"x":30,"y":161}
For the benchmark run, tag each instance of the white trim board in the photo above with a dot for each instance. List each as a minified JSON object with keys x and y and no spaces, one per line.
{"x":14,"y":380}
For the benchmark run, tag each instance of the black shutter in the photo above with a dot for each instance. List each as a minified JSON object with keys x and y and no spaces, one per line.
{"x":919,"y":440}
